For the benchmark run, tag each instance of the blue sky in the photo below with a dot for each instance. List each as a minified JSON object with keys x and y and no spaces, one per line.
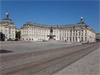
{"x":52,"y":12}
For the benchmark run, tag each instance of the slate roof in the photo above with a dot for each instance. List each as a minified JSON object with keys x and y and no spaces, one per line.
{"x":6,"y":21}
{"x":56,"y":26}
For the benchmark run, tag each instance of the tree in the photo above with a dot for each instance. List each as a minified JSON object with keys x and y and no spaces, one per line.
{"x":2,"y":36}
{"x":18,"y":35}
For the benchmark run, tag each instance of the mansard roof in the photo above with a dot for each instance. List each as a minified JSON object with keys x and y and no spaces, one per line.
{"x":55,"y":26}
{"x":6,"y":21}
{"x":68,"y":26}
{"x":81,"y":24}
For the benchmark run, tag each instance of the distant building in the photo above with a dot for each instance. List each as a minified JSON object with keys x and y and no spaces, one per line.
{"x":98,"y":37}
{"x":80,"y":32}
{"x":7,"y":29}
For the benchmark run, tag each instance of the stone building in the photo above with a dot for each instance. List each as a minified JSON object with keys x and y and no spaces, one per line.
{"x":80,"y":32}
{"x":98,"y":37}
{"x":7,"y":29}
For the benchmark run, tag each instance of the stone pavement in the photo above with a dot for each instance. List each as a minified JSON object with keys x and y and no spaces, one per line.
{"x":88,"y":65}
{"x":23,"y":47}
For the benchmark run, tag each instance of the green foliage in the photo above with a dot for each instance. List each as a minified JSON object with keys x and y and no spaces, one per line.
{"x":18,"y":34}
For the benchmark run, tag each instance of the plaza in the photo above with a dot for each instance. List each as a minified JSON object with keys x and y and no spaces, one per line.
{"x":24,"y":47}
{"x":42,"y":58}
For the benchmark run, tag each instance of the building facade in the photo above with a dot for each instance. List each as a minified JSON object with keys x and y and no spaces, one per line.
{"x":7,"y":29}
{"x":98,"y":37}
{"x":80,"y":32}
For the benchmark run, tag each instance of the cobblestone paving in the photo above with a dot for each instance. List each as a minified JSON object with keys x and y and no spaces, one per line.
{"x":89,"y":65}
{"x":27,"y":63}
{"x":21,"y":47}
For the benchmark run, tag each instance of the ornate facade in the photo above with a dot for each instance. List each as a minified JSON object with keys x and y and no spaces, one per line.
{"x":80,"y":32}
{"x":7,"y":29}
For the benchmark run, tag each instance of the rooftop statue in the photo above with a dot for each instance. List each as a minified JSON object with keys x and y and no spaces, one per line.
{"x":7,"y":15}
{"x":81,"y":19}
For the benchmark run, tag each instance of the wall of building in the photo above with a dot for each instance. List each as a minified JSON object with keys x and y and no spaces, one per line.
{"x":8,"y":31}
{"x":29,"y":33}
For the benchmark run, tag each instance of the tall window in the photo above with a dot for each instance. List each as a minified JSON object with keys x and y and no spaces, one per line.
{"x":82,"y":33}
{"x":79,"y":33}
{"x":9,"y":31}
{"x":76,"y":33}
{"x":70,"y":38}
{"x":73,"y":33}
{"x":85,"y":39}
{"x":76,"y":38}
{"x":82,"y":38}
{"x":73,"y":38}
{"x":70,"y":33}
{"x":85,"y":30}
{"x":85,"y":34}
{"x":67,"y":38}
